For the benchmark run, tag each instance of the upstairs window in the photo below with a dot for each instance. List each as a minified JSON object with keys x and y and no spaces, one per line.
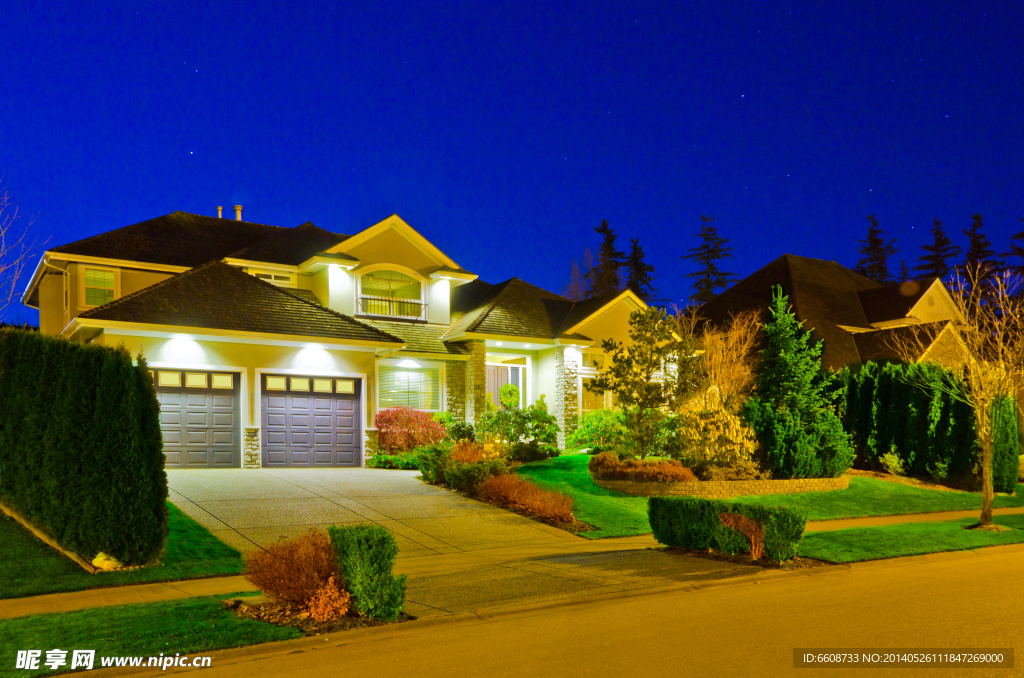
{"x":391,"y":293}
{"x":100,"y":286}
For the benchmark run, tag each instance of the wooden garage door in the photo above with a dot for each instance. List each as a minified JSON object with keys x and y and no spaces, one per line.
{"x":310,"y":421}
{"x":199,"y":418}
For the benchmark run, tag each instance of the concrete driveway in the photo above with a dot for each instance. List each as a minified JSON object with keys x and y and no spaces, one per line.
{"x":250,"y":508}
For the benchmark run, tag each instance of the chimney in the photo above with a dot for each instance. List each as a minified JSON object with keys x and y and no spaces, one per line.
{"x":220,"y":212}
{"x":238,"y":212}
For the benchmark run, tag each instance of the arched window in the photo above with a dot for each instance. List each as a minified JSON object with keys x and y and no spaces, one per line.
{"x":393,"y":294}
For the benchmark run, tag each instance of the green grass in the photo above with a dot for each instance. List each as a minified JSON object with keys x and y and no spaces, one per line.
{"x":907,"y":539}
{"x":619,"y":515}
{"x":190,"y":626}
{"x":28,"y":567}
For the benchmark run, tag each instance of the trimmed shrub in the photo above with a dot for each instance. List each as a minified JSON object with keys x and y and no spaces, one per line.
{"x":600,"y":428}
{"x":461,"y":430}
{"x":294,"y":571}
{"x":467,"y":452}
{"x":432,"y":461}
{"x":439,"y":466}
{"x":365,"y":556}
{"x":517,"y":492}
{"x":520,"y":425}
{"x":81,"y":454}
{"x":608,"y":466}
{"x":466,"y":477}
{"x":534,"y":450}
{"x":694,"y":523}
{"x":404,"y":461}
{"x":1005,"y":445}
{"x":400,"y":429}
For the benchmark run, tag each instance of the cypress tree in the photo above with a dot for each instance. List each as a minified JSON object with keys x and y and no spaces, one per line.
{"x":1017,"y":250}
{"x":980,"y":256}
{"x":604,"y":277}
{"x":934,"y":263}
{"x":875,"y":253}
{"x":712,"y":249}
{"x":639,"y":274}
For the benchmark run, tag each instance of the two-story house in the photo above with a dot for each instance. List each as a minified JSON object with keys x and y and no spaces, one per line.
{"x":276,"y":347}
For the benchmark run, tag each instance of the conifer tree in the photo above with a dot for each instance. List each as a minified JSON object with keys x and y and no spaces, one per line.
{"x":935,"y":262}
{"x":712,"y":249}
{"x":1017,"y":250}
{"x":577,"y":288}
{"x":603,"y":278}
{"x":875,"y":253}
{"x":980,"y":256}
{"x":639,"y":274}
{"x":904,"y":274}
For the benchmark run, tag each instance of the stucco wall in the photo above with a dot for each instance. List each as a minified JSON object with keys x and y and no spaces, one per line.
{"x":133,"y":280}
{"x":544,"y":376}
{"x":52,"y":319}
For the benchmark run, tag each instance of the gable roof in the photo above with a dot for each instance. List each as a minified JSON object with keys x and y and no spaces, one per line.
{"x":290,"y":246}
{"x":175,"y":239}
{"x":881,"y":345}
{"x":893,"y":302}
{"x":396,"y":223}
{"x":219,"y":297}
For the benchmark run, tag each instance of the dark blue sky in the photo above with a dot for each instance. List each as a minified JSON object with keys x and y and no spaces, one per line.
{"x":505,"y":132}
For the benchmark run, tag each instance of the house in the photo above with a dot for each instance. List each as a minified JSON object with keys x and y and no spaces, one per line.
{"x":858,"y":319}
{"x":276,"y":347}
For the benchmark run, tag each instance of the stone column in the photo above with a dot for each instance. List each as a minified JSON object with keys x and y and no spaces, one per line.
{"x":251,"y":447}
{"x":455,"y":389}
{"x":370,"y":447}
{"x":476,"y":379}
{"x":566,"y":394}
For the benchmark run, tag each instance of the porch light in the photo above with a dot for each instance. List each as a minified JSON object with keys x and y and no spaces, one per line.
{"x":526,"y":346}
{"x":409,"y":364}
{"x":498,"y":343}
{"x":313,"y":357}
{"x":182,"y":348}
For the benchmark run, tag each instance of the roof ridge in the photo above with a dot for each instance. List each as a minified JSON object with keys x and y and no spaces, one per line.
{"x":144,"y":290}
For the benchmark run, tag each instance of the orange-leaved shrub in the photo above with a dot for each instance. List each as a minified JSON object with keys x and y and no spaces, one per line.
{"x":517,"y":492}
{"x":329,"y":602}
{"x":608,"y":466}
{"x":293,"y":571}
{"x":470,"y":452}
{"x":402,"y":428}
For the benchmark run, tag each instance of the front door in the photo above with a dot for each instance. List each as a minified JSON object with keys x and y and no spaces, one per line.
{"x":310,"y":421}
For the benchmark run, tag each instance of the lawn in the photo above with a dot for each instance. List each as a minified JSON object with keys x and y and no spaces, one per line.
{"x":907,"y":539}
{"x":29,"y":567}
{"x":190,"y":626}
{"x":619,"y":515}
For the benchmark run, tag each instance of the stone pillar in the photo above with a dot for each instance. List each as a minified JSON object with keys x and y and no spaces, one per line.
{"x":251,"y":447}
{"x":566,"y":394}
{"x":370,"y":447}
{"x":455,"y":389}
{"x":476,"y":379}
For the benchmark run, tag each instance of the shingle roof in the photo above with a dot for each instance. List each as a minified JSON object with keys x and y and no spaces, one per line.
{"x":291,"y":246}
{"x":175,"y":239}
{"x":420,"y":338}
{"x":892,"y":302}
{"x":883,"y":345}
{"x":217,"y":296}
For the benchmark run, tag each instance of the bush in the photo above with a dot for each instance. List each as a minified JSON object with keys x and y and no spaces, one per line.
{"x":1005,"y":445}
{"x":432,"y":461}
{"x":365,"y":557}
{"x":466,"y":477}
{"x":600,"y":428}
{"x":690,"y":522}
{"x":715,"y":444}
{"x":533,"y":450}
{"x":608,"y":466}
{"x":468,"y":452}
{"x":402,"y":428}
{"x":81,"y":454}
{"x":404,"y":461}
{"x":454,"y":429}
{"x":329,"y":602}
{"x":294,"y":571}
{"x":520,"y":425}
{"x":439,"y":466}
{"x":517,"y":492}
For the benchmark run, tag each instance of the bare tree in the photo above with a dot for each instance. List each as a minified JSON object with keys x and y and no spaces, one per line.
{"x":15,"y":249}
{"x":730,"y":358}
{"x":990,"y":361}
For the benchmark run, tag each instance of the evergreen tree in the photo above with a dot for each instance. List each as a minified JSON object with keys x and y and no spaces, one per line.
{"x":1017,"y":250}
{"x":904,"y":274}
{"x":639,"y":274}
{"x":577,"y":288}
{"x":875,"y":253}
{"x":793,"y":412}
{"x":603,"y":278}
{"x":980,"y":256}
{"x":934,"y":263}
{"x":712,"y":249}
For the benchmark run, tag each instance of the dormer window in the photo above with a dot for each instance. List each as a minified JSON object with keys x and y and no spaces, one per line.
{"x":392,"y":294}
{"x":274,"y":277}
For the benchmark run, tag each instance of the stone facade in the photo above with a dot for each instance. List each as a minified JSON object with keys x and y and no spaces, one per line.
{"x":566,"y":403}
{"x":455,"y":388}
{"x":476,"y":379}
{"x":369,"y":442}
{"x":721,"y":489}
{"x":251,"y":447}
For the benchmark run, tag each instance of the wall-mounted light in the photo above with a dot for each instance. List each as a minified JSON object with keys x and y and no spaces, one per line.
{"x":526,"y":346}
{"x":498,"y":343}
{"x":408,"y":364}
{"x":313,"y":357}
{"x":182,"y":348}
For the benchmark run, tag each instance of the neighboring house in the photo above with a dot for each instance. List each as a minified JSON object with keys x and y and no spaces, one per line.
{"x":277,"y":346}
{"x":858,"y":319}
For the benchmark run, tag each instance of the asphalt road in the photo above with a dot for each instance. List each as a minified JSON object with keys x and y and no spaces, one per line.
{"x":744,"y":627}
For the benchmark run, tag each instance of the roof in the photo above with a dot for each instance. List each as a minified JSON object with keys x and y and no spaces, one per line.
{"x":175,"y":239}
{"x":892,"y":302}
{"x":419,"y":337}
{"x":882,"y":345}
{"x":219,"y":297}
{"x":291,"y":246}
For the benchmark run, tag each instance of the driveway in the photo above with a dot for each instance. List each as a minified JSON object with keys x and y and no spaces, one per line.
{"x":251,"y":508}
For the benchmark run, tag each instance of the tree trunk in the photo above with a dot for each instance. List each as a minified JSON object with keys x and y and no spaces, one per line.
{"x":986,"y":479}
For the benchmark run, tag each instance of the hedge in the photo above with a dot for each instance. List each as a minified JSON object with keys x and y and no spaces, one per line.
{"x":1006,"y":444}
{"x":366,"y":555}
{"x":694,"y":523}
{"x":81,"y":455}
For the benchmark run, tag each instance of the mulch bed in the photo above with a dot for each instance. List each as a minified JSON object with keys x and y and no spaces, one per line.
{"x":765,"y":563}
{"x":283,"y":614}
{"x":905,"y":480}
{"x":575,"y":527}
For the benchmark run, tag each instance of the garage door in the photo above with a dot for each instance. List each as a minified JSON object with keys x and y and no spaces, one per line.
{"x":310,"y":421}
{"x":199,"y":418}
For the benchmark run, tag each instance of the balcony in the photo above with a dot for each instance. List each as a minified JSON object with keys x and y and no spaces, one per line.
{"x":391,"y":307}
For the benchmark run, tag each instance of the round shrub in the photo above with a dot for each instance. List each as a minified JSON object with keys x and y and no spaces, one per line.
{"x":600,"y":428}
{"x":402,"y":428}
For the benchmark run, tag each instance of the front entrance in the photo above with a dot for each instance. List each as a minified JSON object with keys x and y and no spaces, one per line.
{"x":310,"y":421}
{"x":199,"y":418}
{"x":498,"y":376}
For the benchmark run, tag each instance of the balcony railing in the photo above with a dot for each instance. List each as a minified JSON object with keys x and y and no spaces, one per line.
{"x":407,"y":309}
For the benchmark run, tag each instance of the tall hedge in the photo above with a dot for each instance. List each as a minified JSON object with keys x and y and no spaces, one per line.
{"x":81,"y":454}
{"x":1006,"y":444}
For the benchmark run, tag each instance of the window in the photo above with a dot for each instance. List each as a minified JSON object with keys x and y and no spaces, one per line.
{"x":100,"y":286}
{"x":346,"y":385}
{"x":279,"y":279}
{"x":195,"y":380}
{"x":322,"y":386}
{"x":67,"y":290}
{"x":223,"y":381}
{"x":277,"y":384}
{"x":300,"y":383}
{"x":418,"y":388}
{"x":391,"y":293}
{"x":169,"y":379}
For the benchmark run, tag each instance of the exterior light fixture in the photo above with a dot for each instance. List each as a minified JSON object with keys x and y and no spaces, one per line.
{"x":498,"y":343}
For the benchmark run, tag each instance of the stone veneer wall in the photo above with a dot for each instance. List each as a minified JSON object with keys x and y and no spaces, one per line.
{"x":251,"y":447}
{"x":720,"y":489}
{"x":476,"y":379}
{"x":455,"y":388}
{"x":566,"y":405}
{"x":369,"y":442}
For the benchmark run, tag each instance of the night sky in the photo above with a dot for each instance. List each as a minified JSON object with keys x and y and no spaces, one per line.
{"x":504,"y":132}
